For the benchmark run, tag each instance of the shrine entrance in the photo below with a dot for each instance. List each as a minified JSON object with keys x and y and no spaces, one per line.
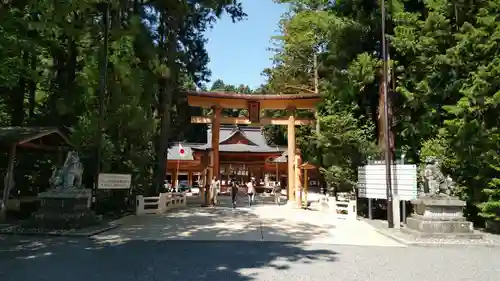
{"x":219,"y":161}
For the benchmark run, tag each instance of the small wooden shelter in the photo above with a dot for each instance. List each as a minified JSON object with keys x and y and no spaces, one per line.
{"x":12,"y":138}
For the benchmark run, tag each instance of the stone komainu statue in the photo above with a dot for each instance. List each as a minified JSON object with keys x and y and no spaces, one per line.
{"x":436,"y":181}
{"x":70,"y":174}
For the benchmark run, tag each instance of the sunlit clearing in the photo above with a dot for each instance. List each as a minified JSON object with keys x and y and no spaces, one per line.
{"x":31,"y":246}
{"x":30,"y":257}
{"x":185,"y":215}
{"x":111,"y":239}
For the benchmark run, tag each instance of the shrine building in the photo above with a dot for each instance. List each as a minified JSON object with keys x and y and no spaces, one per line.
{"x":244,"y":153}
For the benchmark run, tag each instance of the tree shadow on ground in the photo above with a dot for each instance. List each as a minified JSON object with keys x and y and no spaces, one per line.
{"x":190,"y":244}
{"x":220,"y":223}
{"x":177,"y":260}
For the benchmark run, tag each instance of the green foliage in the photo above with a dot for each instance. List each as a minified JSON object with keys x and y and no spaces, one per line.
{"x":50,"y":71}
{"x":448,"y":58}
{"x":347,"y":73}
{"x":491,"y":208}
{"x":445,"y":95}
{"x":435,"y":147}
{"x":220,"y":86}
{"x":344,"y":144}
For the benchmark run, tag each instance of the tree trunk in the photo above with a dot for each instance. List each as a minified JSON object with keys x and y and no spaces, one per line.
{"x":32,"y":89}
{"x":167,"y":85}
{"x":162,"y":152}
{"x":65,"y":63}
{"x":8,"y":182}
{"x":17,"y":97}
{"x":59,"y":62}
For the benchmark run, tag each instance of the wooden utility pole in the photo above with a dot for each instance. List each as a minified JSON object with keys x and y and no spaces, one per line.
{"x":316,"y":89}
{"x":102,"y":91}
{"x":387,"y":124}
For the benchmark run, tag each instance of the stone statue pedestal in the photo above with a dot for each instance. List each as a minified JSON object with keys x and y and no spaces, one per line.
{"x":439,"y":217}
{"x":64,"y":209}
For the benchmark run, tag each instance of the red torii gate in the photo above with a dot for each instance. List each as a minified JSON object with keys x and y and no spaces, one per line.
{"x":254,"y":104}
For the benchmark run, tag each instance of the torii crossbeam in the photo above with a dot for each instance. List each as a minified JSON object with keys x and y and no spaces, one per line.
{"x":247,"y":121}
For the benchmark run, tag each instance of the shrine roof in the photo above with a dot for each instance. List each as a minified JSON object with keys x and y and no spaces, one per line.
{"x":254,"y":135}
{"x":234,"y":133}
{"x":22,"y":135}
{"x":257,"y":143}
{"x":282,"y":159}
{"x":307,"y":166}
{"x":240,"y":147}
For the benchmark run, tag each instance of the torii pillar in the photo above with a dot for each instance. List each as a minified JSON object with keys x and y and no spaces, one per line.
{"x":190,"y":178}
{"x":215,"y":141}
{"x":214,"y":159}
{"x":291,"y":153}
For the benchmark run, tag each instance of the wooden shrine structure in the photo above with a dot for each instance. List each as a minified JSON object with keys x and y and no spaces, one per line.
{"x":255,"y":104}
{"x":17,"y":139}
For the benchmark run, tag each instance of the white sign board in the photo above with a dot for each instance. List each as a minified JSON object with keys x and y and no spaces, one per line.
{"x":114,"y":181}
{"x":372,"y":181}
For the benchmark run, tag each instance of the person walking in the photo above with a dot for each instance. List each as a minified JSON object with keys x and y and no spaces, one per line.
{"x":277,"y":193}
{"x":214,"y":190}
{"x":250,"y":192}
{"x":234,"y":192}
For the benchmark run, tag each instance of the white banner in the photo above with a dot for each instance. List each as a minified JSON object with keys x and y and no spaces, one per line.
{"x":114,"y":181}
{"x":372,"y":181}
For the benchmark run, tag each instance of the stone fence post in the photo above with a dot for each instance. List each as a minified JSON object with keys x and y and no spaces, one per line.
{"x":162,"y":203}
{"x":139,"y":205}
{"x":353,"y":210}
{"x":332,"y":205}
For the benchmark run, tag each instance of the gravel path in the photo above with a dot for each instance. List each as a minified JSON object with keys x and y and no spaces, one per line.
{"x":82,"y":259}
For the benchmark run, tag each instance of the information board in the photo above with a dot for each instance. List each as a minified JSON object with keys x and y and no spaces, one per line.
{"x":372,"y":181}
{"x":114,"y":181}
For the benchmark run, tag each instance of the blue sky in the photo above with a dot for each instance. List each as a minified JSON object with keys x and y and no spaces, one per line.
{"x":238,"y":51}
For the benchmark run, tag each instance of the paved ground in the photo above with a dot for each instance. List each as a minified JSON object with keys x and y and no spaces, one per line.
{"x":263,"y":222}
{"x":140,"y":260}
{"x":262,"y":243}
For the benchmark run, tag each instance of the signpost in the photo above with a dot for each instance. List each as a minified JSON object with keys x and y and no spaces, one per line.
{"x":372,"y":183}
{"x":114,"y":181}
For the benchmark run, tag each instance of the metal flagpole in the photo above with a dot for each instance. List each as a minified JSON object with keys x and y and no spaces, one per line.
{"x":177,"y":172}
{"x":387,"y":130}
{"x":178,"y":165}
